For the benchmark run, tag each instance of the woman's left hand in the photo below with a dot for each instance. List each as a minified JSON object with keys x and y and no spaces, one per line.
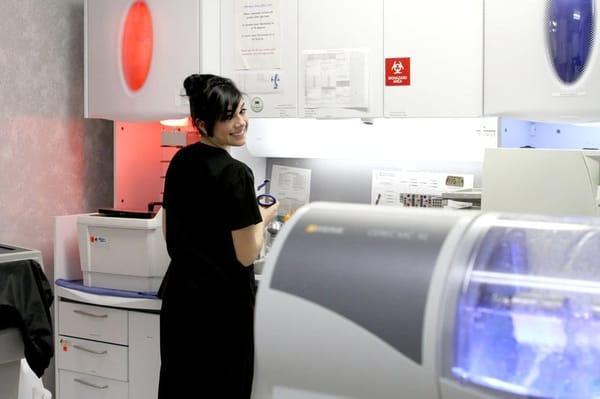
{"x":268,"y":213}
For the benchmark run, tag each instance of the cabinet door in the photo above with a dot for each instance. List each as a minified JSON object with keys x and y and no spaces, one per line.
{"x":341,"y":58}
{"x":543,"y":65}
{"x":434,"y":58}
{"x":144,"y":355}
{"x":164,"y":53}
{"x":259,"y":52}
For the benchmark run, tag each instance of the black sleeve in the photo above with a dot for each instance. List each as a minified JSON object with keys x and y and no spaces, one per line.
{"x":172,"y":179}
{"x":241,"y":209}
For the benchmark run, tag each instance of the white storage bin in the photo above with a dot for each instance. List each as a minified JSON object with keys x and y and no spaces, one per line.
{"x":30,"y":386}
{"x":121,"y":252}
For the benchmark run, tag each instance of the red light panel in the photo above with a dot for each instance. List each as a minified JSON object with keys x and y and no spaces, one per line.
{"x":137,"y":44}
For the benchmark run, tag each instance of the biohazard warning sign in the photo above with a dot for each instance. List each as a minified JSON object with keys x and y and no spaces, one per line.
{"x":397,"y":71}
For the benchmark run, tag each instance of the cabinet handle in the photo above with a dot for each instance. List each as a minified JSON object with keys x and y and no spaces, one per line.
{"x":81,"y":348}
{"x":89,"y":384}
{"x":99,"y":316}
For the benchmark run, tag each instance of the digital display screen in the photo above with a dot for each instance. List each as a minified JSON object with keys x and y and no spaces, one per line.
{"x":455,"y":181}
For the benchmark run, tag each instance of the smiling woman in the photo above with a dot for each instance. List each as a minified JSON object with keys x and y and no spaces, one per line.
{"x":230,"y":132}
{"x":214,"y":231}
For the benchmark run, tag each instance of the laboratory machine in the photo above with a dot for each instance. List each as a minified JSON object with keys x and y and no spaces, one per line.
{"x":545,"y":181}
{"x":365,"y":302}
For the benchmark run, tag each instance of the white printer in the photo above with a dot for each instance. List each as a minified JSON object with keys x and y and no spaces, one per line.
{"x":365,"y":302}
{"x":122,"y":250}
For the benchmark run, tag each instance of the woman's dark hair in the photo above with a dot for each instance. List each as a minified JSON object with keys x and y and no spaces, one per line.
{"x":212,"y":99}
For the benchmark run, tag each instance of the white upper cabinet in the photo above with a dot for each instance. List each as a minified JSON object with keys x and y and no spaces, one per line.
{"x":340,"y":47}
{"x":137,"y":54}
{"x":259,"y":52}
{"x":433,"y":58}
{"x":541,"y":60}
{"x":533,"y":59}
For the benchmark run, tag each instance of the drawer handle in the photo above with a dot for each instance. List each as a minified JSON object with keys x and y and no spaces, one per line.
{"x":81,"y":348}
{"x":99,"y":316}
{"x":89,"y":384}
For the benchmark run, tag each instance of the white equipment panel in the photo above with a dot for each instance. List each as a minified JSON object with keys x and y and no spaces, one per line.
{"x":438,"y":46}
{"x":543,"y":64}
{"x":179,"y":47}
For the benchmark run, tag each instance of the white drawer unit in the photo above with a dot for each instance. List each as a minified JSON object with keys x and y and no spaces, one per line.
{"x":91,"y":357}
{"x":93,"y":322}
{"x":103,"y":351}
{"x":107,"y":347}
{"x":83,"y":386}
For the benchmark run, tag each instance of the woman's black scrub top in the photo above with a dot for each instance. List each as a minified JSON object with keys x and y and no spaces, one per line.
{"x":207,"y":195}
{"x":206,"y":321}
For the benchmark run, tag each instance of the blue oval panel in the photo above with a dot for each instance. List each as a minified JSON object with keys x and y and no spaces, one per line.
{"x":570,"y":36}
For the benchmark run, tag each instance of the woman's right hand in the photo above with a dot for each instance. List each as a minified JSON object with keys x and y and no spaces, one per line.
{"x":268,"y":213}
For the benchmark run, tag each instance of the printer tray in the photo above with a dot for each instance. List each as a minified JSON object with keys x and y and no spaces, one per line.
{"x":121,"y":213}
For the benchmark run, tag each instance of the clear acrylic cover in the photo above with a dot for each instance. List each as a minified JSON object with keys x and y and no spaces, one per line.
{"x":528,"y":316}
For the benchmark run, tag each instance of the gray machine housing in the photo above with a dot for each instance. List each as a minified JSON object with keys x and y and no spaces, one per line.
{"x":366,"y":302}
{"x":339,"y":281}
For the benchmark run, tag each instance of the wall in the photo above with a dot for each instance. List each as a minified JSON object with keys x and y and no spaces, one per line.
{"x":342,"y":180}
{"x":517,"y":133}
{"x":52,"y":161}
{"x":404,"y":140}
{"x":343,"y":153}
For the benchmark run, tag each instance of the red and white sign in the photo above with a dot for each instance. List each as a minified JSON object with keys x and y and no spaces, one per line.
{"x":397,"y":71}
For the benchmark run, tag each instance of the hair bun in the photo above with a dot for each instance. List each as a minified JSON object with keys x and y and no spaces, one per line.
{"x":195,"y":84}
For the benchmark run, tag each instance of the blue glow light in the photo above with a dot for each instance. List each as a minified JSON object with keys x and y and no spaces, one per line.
{"x":570,"y":36}
{"x":536,"y":339}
